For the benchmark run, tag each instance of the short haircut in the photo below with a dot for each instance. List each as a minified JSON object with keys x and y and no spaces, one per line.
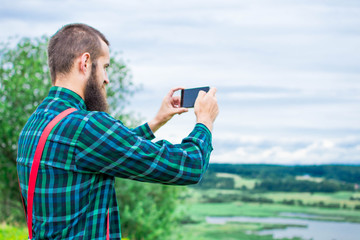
{"x":70,"y":42}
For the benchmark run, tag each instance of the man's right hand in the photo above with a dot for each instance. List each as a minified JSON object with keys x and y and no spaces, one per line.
{"x":206,"y":108}
{"x":169,"y":107}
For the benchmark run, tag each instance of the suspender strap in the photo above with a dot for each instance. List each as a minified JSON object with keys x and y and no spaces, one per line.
{"x":108,"y":226}
{"x":36,"y":163}
{"x":35,"y":168}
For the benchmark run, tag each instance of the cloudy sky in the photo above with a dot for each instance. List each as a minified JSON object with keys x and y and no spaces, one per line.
{"x":287,"y":72}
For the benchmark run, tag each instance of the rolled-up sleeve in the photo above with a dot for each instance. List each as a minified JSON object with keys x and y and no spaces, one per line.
{"x":106,"y":146}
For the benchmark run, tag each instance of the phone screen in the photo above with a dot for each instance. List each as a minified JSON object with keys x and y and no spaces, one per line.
{"x":188,"y":96}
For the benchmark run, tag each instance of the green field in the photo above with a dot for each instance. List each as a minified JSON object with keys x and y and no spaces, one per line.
{"x":239,"y":181}
{"x":199,"y":206}
{"x":201,"y":210}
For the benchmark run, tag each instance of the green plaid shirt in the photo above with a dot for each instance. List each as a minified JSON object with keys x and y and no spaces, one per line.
{"x":82,"y":156}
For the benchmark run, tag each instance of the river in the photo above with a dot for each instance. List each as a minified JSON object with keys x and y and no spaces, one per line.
{"x":312,"y":229}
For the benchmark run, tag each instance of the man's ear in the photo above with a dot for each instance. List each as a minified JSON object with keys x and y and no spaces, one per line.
{"x":85,"y":62}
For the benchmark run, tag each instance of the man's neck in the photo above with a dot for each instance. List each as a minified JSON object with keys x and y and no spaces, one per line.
{"x":72,"y":85}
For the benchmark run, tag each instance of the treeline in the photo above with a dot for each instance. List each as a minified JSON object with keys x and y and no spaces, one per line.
{"x":342,"y":173}
{"x":293,"y":185}
{"x":333,"y":178}
{"x":288,"y":184}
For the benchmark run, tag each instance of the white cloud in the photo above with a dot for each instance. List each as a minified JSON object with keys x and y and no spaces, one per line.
{"x":322,"y":151}
{"x":291,"y":66}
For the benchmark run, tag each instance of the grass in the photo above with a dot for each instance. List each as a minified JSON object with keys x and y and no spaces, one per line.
{"x":15,"y":233}
{"x":201,"y":210}
{"x":239,"y":209}
{"x":342,"y":198}
{"x":12,"y":232}
{"x":239,"y":181}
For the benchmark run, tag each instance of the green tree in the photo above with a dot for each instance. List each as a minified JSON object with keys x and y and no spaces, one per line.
{"x":147,"y":210}
{"x":24,"y":82}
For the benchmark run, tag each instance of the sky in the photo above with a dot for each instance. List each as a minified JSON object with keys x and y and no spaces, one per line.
{"x":287,"y":72}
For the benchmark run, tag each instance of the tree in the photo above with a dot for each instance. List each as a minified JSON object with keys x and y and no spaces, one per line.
{"x":24,"y":82}
{"x":147,"y":210}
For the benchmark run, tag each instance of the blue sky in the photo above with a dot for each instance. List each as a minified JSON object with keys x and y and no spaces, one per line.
{"x":287,"y":72}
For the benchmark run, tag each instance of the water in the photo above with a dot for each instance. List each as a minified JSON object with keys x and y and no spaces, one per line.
{"x":311,"y":229}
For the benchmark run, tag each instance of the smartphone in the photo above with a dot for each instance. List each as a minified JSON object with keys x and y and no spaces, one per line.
{"x":188,"y":96}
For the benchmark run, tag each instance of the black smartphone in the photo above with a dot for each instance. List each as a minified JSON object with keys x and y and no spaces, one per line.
{"x":188,"y":96}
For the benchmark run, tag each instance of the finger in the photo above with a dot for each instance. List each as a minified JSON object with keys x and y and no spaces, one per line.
{"x":175,"y":104}
{"x":201,"y":93}
{"x":176,"y":99}
{"x":181,"y":110}
{"x":212,"y":91}
{"x":171,"y":92}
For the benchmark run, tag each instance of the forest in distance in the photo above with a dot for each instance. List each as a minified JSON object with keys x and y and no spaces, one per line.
{"x":309,"y":178}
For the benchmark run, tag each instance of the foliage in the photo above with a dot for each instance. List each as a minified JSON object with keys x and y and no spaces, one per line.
{"x":24,"y":82}
{"x":147,"y":210}
{"x":292,"y":185}
{"x":343,"y":173}
{"x":281,"y":178}
{"x":120,"y":89}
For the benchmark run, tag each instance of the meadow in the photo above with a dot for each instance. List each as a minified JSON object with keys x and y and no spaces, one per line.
{"x":199,"y":229}
{"x":340,"y":206}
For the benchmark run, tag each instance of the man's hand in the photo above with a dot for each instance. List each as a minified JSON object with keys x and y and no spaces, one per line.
{"x":206,"y":108}
{"x":169,"y":107}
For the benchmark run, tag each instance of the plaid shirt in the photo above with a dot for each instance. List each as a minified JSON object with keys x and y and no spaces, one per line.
{"x":82,"y":156}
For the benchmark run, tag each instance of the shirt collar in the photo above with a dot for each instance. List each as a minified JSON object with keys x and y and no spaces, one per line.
{"x":67,"y":95}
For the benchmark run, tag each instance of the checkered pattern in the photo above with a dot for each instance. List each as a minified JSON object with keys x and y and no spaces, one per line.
{"x":82,"y":156}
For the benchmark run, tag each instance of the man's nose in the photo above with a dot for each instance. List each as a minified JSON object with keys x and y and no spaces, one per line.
{"x":106,"y":80}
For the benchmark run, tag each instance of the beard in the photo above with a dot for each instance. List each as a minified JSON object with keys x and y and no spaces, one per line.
{"x":95,"y":94}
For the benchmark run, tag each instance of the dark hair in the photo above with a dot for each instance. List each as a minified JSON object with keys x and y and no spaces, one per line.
{"x":70,"y":42}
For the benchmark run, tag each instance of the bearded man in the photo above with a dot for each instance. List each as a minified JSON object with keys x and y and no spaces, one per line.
{"x":74,"y":196}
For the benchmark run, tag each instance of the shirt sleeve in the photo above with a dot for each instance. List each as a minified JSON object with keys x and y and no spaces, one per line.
{"x":106,"y":146}
{"x":144,"y":131}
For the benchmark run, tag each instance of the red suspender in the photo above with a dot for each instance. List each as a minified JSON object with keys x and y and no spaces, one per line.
{"x":108,"y":226}
{"x":36,"y":163}
{"x":35,"y":168}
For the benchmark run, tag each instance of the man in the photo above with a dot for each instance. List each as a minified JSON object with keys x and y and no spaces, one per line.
{"x":89,"y":148}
